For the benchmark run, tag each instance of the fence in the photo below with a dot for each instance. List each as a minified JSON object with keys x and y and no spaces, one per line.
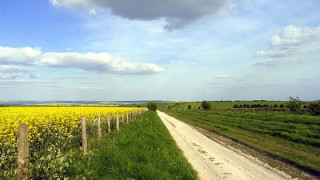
{"x":23,"y":144}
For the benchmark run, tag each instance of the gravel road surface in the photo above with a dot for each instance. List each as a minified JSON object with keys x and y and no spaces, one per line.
{"x":212,"y":159}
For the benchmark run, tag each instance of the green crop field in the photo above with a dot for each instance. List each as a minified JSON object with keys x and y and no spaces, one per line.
{"x":221,"y":105}
{"x":289,"y":137}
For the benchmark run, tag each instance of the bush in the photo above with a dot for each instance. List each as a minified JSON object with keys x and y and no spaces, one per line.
{"x":189,"y":106}
{"x":152,"y":105}
{"x":199,"y":108}
{"x":294,"y":104}
{"x":205,"y":105}
{"x":281,"y":106}
{"x":314,"y":108}
{"x":169,"y":107}
{"x":236,"y":106}
{"x":275,"y":106}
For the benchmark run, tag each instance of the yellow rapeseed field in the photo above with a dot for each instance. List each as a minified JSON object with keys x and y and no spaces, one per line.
{"x":52,"y":132}
{"x":38,"y":119}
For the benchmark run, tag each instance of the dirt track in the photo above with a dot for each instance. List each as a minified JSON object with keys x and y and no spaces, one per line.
{"x":213,"y":160}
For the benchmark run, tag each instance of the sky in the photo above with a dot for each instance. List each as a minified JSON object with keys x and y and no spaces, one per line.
{"x":177,"y":50}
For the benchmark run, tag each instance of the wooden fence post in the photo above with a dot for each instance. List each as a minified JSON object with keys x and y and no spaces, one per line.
{"x":23,"y":151}
{"x":99,"y":128}
{"x":84,"y":135}
{"x":127,"y":117}
{"x":109,"y":127}
{"x":118,"y":122}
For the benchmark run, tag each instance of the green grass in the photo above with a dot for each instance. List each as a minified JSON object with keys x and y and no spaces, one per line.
{"x":220,"y":105}
{"x":143,"y":149}
{"x":291,"y":138}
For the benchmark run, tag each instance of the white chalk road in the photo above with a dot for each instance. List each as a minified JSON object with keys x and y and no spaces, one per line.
{"x":212,"y":160}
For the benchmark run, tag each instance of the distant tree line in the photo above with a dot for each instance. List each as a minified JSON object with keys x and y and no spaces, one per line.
{"x":294,"y":105}
{"x":258,"y":106}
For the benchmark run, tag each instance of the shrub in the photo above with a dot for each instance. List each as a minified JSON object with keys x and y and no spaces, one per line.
{"x":152,"y":105}
{"x":205,"y":105}
{"x":275,"y":106}
{"x":169,"y":107}
{"x":240,"y":106}
{"x":236,"y":106}
{"x":314,"y":108}
{"x":189,"y":106}
{"x":294,"y":104}
{"x":199,"y":108}
{"x":281,"y":106}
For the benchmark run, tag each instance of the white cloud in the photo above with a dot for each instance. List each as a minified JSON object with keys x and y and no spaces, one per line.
{"x":221,"y":76}
{"x":12,"y":71}
{"x":23,"y":55}
{"x":34,"y":76}
{"x":270,"y":54}
{"x":94,"y":62}
{"x":10,"y":75}
{"x":97,"y":62}
{"x":13,"y":68}
{"x":293,"y":36}
{"x":292,"y":45}
{"x":177,"y":13}
{"x":77,"y":77}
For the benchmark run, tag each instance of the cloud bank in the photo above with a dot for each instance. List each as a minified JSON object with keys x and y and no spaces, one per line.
{"x":177,"y":13}
{"x":291,"y":45}
{"x":23,"y":55}
{"x":97,"y":62}
{"x":93,"y":62}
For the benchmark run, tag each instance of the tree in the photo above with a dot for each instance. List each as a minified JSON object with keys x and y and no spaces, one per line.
{"x":206,"y":105}
{"x":152,"y":105}
{"x":294,"y":104}
{"x":189,"y":106}
{"x":314,"y":108}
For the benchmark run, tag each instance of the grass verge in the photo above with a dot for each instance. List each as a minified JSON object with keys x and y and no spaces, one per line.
{"x":142,"y":149}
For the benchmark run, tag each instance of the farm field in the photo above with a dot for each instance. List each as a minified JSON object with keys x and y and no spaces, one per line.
{"x":220,"y":105}
{"x":292,"y":138}
{"x":52,"y":131}
{"x":142,"y":150}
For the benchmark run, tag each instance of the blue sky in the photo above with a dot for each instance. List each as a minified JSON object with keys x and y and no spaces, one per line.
{"x":177,"y":50}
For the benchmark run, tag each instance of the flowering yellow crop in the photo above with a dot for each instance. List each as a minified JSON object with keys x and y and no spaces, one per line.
{"x":52,"y":131}
{"x":49,"y":119}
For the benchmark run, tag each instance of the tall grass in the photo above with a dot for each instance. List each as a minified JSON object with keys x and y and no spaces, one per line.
{"x":143,"y":149}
